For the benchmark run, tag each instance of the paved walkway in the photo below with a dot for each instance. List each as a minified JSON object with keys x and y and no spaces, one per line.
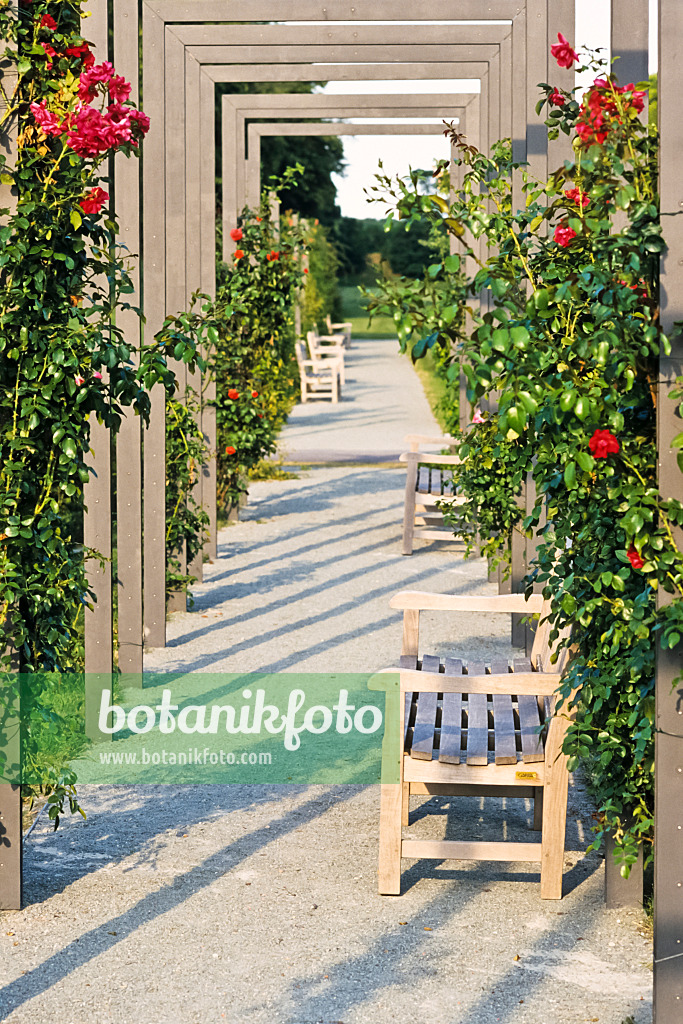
{"x":258,"y":904}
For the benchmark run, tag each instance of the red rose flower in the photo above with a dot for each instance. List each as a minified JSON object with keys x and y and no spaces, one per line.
{"x":47,"y":21}
{"x":305,"y":270}
{"x":634,"y":558}
{"x":50,"y":52}
{"x":563,"y":235}
{"x":94,"y":201}
{"x":230,"y":450}
{"x":254,"y":394}
{"x":232,"y":393}
{"x":82,"y":52}
{"x":602,"y":444}
{"x":563,"y":53}
{"x":272,"y":255}
{"x":238,"y":254}
{"x":236,"y":234}
{"x":575,"y":195}
{"x":557,"y":98}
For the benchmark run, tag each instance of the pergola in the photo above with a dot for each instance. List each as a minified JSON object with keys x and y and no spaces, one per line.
{"x":189,"y":47}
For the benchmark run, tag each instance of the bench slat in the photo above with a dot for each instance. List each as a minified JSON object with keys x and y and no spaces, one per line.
{"x":477,"y":719}
{"x":504,"y":729}
{"x":423,"y":480}
{"x":450,"y":743}
{"x":407,"y":661}
{"x":425,"y":720}
{"x":529,"y":721}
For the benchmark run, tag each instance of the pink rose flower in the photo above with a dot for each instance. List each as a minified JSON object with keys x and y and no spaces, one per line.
{"x":79,"y":380}
{"x":119,"y":89}
{"x":563,"y":235}
{"x":97,"y":375}
{"x":47,"y":21}
{"x":563,"y":52}
{"x":47,"y":121}
{"x":575,"y":195}
{"x":478,"y":418}
{"x":557,"y":98}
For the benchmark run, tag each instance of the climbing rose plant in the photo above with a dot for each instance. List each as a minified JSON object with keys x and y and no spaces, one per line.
{"x":567,"y":355}
{"x":252,"y":340}
{"x":64,"y":361}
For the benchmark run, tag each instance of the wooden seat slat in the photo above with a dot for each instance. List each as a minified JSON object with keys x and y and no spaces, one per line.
{"x":422,"y":746}
{"x":529,"y":721}
{"x":423,"y":480}
{"x":504,"y":729}
{"x":450,"y":740}
{"x":407,"y":661}
{"x":522,"y":665}
{"x":477,"y":719}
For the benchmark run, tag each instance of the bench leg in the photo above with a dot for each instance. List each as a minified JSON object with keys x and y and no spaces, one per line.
{"x":554,"y":826}
{"x":405,"y":804}
{"x":538,"y":809}
{"x":409,"y":505}
{"x":391,"y":800}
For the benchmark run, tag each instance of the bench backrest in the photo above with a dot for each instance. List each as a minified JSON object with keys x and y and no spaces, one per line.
{"x":543,"y":649}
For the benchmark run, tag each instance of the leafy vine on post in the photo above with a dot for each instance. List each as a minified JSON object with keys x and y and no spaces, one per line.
{"x":569,"y":350}
{"x":252,"y":341}
{"x":64,"y":361}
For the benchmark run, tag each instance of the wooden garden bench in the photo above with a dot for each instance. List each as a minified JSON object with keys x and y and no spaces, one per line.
{"x":471,"y":728}
{"x":344,"y":327}
{"x":317,"y":381}
{"x":428,"y":480}
{"x":324,"y":349}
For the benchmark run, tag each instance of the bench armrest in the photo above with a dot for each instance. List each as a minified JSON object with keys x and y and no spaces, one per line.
{"x":426,"y":458}
{"x":417,"y":439}
{"x":418,"y":600}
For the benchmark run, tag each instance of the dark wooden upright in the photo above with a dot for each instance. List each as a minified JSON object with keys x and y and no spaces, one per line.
{"x":668,"y":907}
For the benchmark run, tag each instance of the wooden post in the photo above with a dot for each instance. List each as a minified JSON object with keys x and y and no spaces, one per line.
{"x":129,"y":437}
{"x":630,"y":24}
{"x":668,"y":906}
{"x":154,"y":284}
{"x":10,"y":795}
{"x":629,"y":28}
{"x":97,"y":534}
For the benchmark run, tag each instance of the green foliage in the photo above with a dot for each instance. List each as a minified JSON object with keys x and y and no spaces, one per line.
{"x":186,"y":520}
{"x":321,"y":292}
{"x":354,"y":239}
{"x":568,"y":350}
{"x":252,"y":342}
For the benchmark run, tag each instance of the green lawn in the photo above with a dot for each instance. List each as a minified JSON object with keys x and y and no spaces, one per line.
{"x":354,"y":310}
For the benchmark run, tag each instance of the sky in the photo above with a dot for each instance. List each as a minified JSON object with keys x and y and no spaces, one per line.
{"x":399,"y":152}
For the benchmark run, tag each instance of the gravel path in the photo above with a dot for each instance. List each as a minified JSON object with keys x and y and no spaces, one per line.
{"x":258,"y":904}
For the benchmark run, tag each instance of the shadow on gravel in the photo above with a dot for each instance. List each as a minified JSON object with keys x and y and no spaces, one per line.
{"x":391,"y":960}
{"x":327,"y":616}
{"x":99,"y":940}
{"x":123,"y":821}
